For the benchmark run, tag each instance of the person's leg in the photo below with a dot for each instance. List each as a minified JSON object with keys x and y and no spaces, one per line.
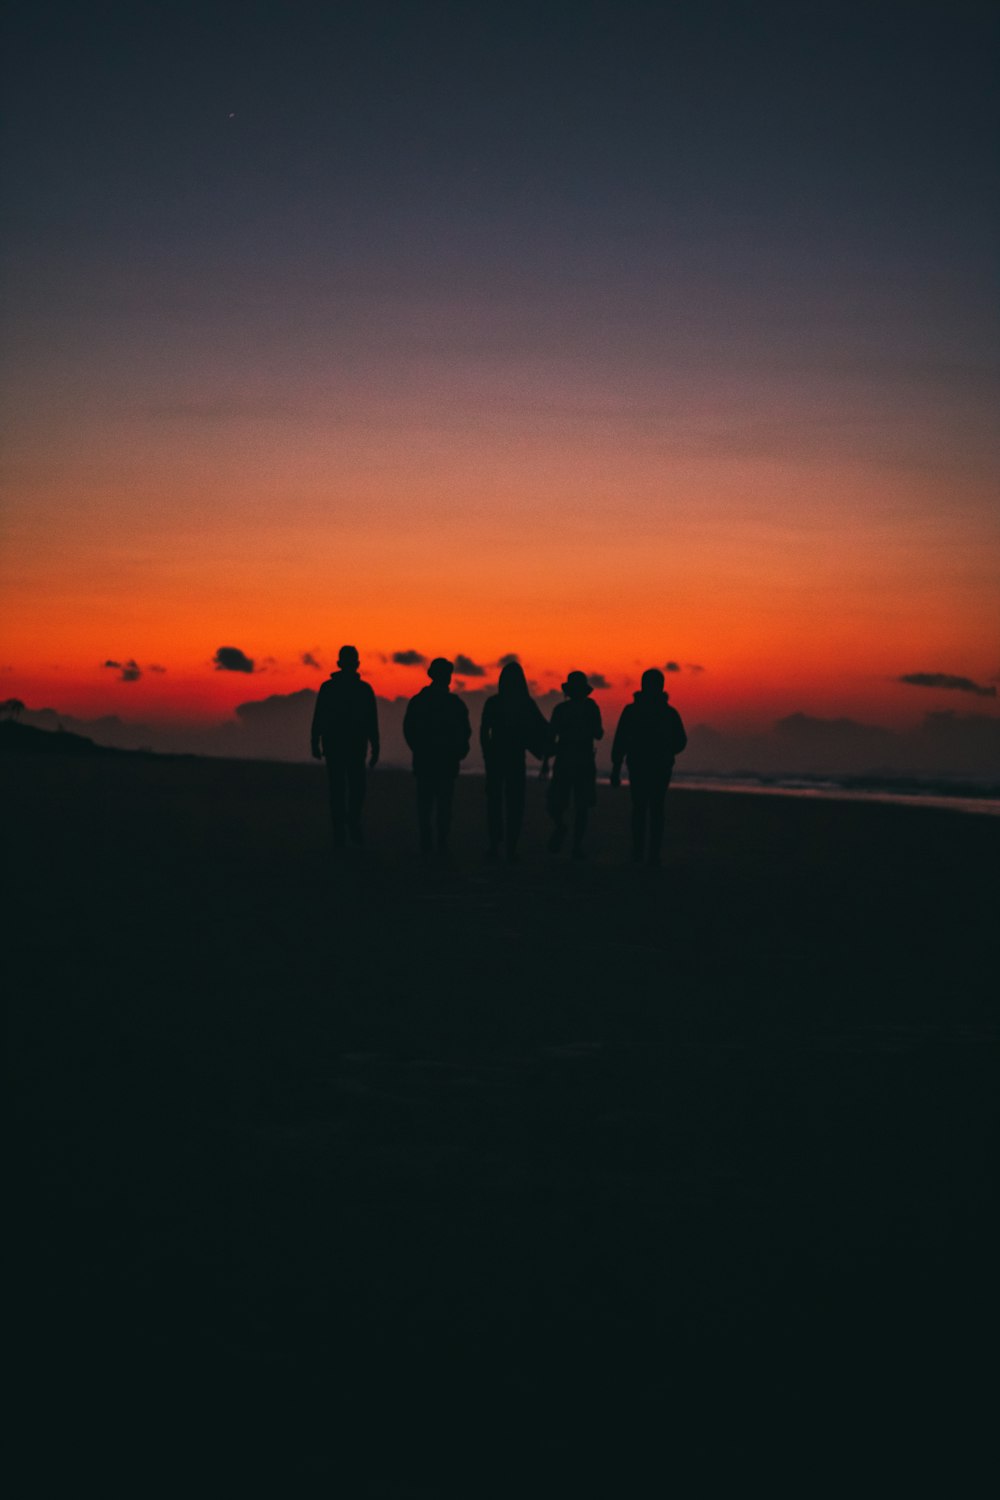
{"x":494,"y":808}
{"x":657,"y":798}
{"x":355,"y":798}
{"x":514,"y":791}
{"x":445,"y":793}
{"x":640,"y":803}
{"x":582,"y":798}
{"x":558,"y":802}
{"x":337,"y":783}
{"x":425,"y":803}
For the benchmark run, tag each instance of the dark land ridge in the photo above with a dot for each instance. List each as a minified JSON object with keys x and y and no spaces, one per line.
{"x":373,"y":1176}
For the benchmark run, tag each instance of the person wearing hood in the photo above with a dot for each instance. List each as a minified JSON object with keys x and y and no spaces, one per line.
{"x":573,"y":728}
{"x":436,"y":727}
{"x":512,"y":723}
{"x":649,"y":735}
{"x":345,"y":723}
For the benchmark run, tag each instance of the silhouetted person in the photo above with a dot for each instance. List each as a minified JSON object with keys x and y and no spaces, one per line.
{"x":649,"y":734}
{"x":512,"y":723}
{"x":573,"y":728}
{"x":437,"y":729}
{"x":345,"y":723}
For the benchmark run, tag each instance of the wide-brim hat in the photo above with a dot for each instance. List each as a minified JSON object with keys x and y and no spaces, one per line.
{"x":577,"y":686}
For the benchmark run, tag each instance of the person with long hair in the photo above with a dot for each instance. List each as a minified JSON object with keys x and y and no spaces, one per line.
{"x":512,"y":724}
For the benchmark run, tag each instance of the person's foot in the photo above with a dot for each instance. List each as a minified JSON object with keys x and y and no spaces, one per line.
{"x":556,"y":838}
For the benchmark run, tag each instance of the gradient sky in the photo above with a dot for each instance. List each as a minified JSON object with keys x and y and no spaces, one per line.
{"x":604,"y":333}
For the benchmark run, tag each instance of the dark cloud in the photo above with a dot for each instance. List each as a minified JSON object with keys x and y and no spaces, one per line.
{"x":130,"y":670}
{"x":510,"y":658}
{"x":946,"y":680}
{"x":308,"y":660}
{"x":232,"y":659}
{"x":672,"y":666}
{"x":409,"y":658}
{"x":153,"y":667}
{"x":693,"y":666}
{"x":598,"y":680}
{"x":466,"y":667}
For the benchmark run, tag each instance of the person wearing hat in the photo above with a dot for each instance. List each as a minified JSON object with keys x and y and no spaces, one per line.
{"x":573,"y":729}
{"x":344,"y":724}
{"x":650,"y":734}
{"x":436,"y":727}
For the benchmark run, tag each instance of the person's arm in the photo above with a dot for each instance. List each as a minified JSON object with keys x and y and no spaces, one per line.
{"x":373,"y":738}
{"x":466,"y":730}
{"x":411,"y":730}
{"x":551,"y":740}
{"x":315,"y":733}
{"x":486,"y":727}
{"x":598,"y":724}
{"x":538,"y":732}
{"x":680,"y":737}
{"x":618,"y":747}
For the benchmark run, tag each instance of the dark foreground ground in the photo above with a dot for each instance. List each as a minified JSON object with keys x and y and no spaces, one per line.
{"x":390,"y":1179}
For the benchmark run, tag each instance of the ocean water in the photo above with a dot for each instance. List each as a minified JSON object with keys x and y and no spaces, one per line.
{"x":965,"y":796}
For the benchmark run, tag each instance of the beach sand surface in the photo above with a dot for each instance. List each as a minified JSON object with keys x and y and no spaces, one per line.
{"x":370,"y":1175}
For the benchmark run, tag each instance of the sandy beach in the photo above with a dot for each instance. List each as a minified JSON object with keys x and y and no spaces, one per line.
{"x":367,"y":1175}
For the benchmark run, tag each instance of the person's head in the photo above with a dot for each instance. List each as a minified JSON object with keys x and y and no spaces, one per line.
{"x":348,"y":660}
{"x":512,"y":682}
{"x":653,"y":680}
{"x":577,"y":686}
{"x":440,"y":671}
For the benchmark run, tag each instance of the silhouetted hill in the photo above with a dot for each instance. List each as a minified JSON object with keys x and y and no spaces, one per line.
{"x":25,"y":739}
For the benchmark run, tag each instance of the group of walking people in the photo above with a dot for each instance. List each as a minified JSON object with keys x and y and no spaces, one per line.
{"x":438,"y":731}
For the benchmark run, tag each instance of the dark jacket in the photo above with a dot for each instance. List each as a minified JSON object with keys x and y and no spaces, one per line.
{"x":345,"y":720}
{"x":436,"y":727}
{"x":509,"y":727}
{"x":573,"y":728}
{"x":649,"y":734}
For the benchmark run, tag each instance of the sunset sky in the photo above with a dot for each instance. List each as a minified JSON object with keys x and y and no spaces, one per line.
{"x":607,"y":334}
